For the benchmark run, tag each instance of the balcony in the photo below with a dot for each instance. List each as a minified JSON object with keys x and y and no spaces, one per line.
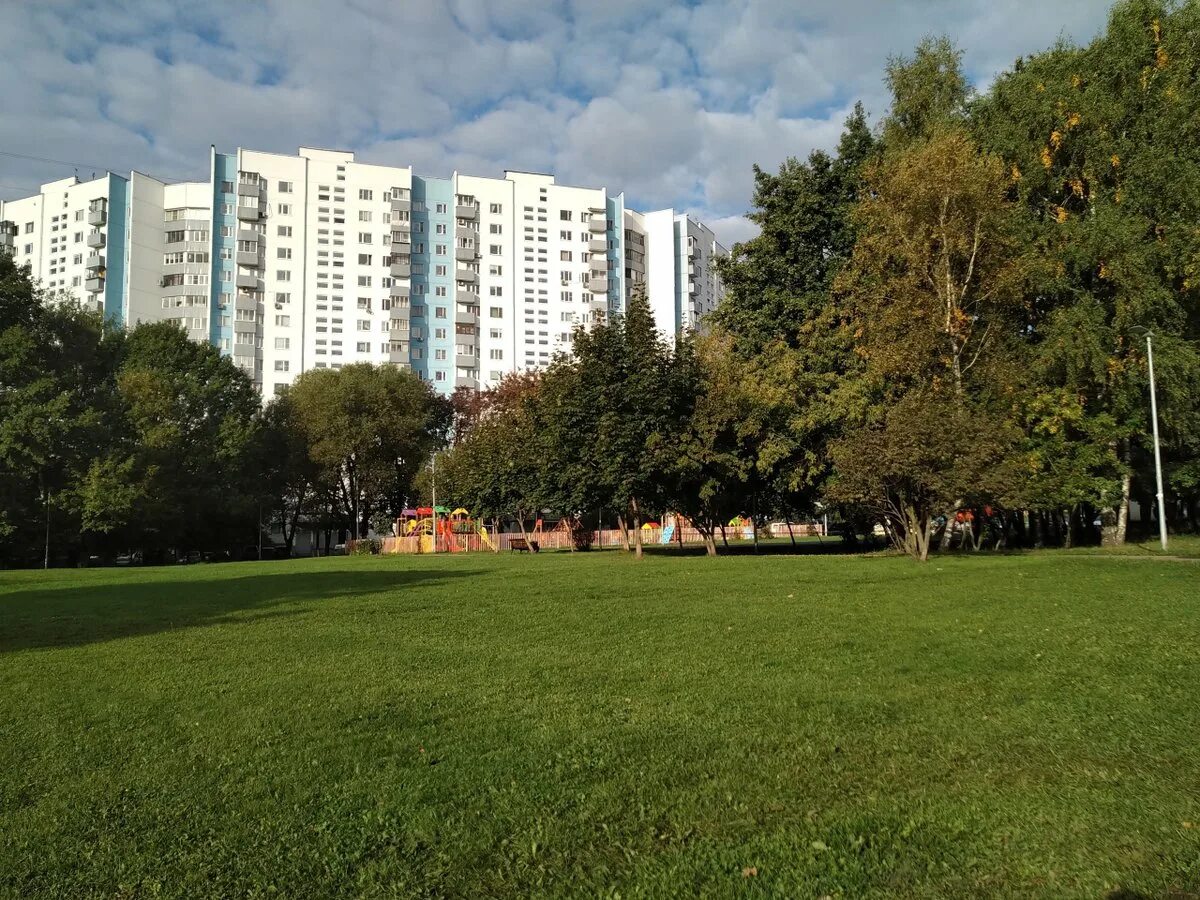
{"x":6,"y":238}
{"x":465,"y":317}
{"x":248,"y":213}
{"x":249,"y":189}
{"x":598,"y":285}
{"x":466,"y":276}
{"x":401,"y":244}
{"x":400,"y":291}
{"x":94,"y":285}
{"x":465,"y":381}
{"x":401,"y":270}
{"x":398,"y":355}
{"x":599,"y":302}
{"x":97,"y":215}
{"x":468,"y":297}
{"x":463,"y":233}
{"x":463,"y":361}
{"x":248,"y":234}
{"x":597,"y":225}
{"x":399,"y":313}
{"x":244,"y":302}
{"x":693,"y":287}
{"x":95,"y":261}
{"x":599,"y":267}
{"x":240,"y":327}
{"x":465,"y":212}
{"x":95,"y":240}
{"x":249,"y":258}
{"x":598,"y":245}
{"x":404,"y":205}
{"x":399,"y":328}
{"x":253,"y":282}
{"x":466,"y":254}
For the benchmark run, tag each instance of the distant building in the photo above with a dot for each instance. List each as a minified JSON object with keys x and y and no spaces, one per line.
{"x":288,"y":263}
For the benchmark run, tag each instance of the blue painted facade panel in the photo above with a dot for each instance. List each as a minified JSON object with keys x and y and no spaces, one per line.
{"x":616,"y":253}
{"x":433,"y":293}
{"x":116,"y":288}
{"x":224,"y":170}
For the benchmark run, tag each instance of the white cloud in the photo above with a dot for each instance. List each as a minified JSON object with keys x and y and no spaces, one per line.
{"x":670,"y":103}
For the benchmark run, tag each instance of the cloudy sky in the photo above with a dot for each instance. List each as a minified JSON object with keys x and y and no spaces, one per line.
{"x":670,"y":102}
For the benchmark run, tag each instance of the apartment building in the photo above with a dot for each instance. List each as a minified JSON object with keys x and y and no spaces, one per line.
{"x":288,"y":263}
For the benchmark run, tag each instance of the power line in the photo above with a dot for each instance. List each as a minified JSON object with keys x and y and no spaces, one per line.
{"x":57,"y":162}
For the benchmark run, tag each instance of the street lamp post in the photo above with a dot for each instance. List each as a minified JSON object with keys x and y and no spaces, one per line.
{"x":433,"y":495}
{"x":1162,"y":505}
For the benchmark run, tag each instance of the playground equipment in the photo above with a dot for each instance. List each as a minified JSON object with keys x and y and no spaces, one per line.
{"x":668,"y":534}
{"x":745,"y":525}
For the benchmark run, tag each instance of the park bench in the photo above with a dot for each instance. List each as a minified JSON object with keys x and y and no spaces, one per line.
{"x":523,"y":545}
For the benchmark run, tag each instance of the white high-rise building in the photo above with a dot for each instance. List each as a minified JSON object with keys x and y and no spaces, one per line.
{"x":288,"y":263}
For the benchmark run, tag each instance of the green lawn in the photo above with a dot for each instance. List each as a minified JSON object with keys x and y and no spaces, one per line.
{"x":585,"y":725}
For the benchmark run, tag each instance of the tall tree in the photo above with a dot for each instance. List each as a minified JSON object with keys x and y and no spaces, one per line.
{"x":936,"y":282}
{"x":370,"y":430}
{"x":1104,"y":146}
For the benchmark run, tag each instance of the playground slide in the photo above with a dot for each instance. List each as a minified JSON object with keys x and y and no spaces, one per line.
{"x":487,"y":541}
{"x":667,"y":534}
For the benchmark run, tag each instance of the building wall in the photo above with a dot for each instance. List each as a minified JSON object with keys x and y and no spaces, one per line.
{"x":313,"y":260}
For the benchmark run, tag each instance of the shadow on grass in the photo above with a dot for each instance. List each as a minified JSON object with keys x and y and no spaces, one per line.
{"x":91,"y":613}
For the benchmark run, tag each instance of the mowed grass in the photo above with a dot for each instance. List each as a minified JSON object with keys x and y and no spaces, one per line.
{"x":585,"y":725}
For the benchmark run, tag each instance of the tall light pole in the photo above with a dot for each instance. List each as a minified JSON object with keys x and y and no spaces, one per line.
{"x":1162,"y":505}
{"x":433,"y":495}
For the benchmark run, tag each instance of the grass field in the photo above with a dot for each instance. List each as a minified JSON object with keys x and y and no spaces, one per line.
{"x":584,"y":725}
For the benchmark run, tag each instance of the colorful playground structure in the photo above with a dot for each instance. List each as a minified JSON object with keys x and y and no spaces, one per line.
{"x":438,"y":529}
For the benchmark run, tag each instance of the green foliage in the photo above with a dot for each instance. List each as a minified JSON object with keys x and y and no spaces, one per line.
{"x":368,"y":430}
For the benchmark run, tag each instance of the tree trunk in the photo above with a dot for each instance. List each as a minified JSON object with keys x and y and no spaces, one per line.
{"x":637,"y":528}
{"x":754,"y":520}
{"x":1115,"y":521}
{"x":624,"y":533}
{"x":948,"y":533}
{"x":791,"y":533}
{"x":724,"y":537}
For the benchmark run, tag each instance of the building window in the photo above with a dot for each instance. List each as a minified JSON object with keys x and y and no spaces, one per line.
{"x":284,"y":231}
{"x":495,"y":228}
{"x":281,"y":365}
{"x":283,"y":321}
{"x":364,"y":194}
{"x":565,"y":215}
{"x":284,"y":187}
{"x":441,"y":207}
{"x":284,"y":209}
{"x":283,"y":252}
{"x":495,"y":209}
{"x":283,"y":343}
{"x":496,"y":312}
